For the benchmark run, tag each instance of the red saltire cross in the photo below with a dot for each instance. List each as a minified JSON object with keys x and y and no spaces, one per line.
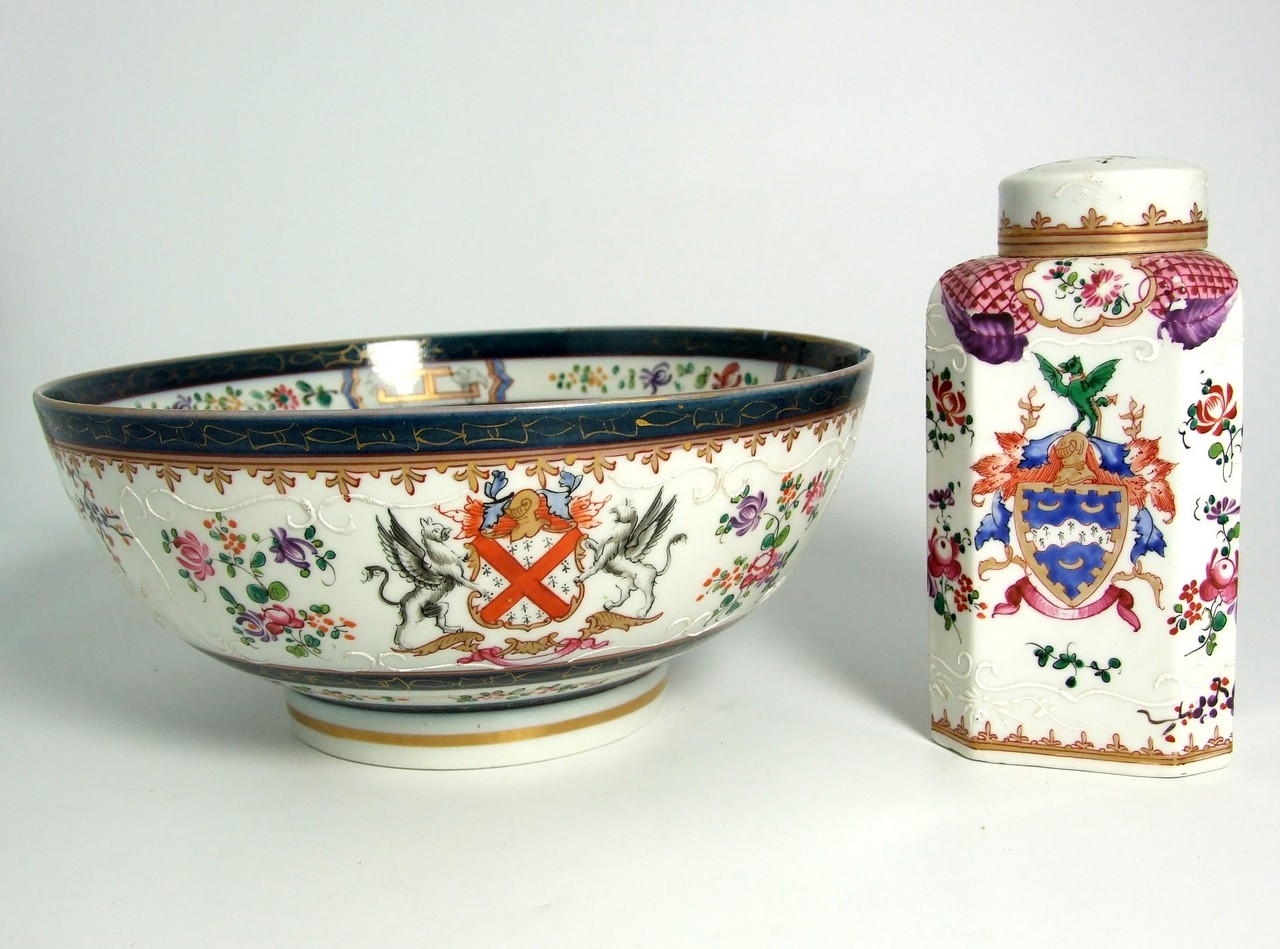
{"x":526,"y":582}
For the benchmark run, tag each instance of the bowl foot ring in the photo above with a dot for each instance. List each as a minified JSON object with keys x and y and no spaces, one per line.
{"x":476,"y":739}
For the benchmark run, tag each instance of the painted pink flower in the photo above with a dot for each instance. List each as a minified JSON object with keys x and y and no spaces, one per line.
{"x":283,"y":397}
{"x":1220,"y":579}
{"x":944,"y":556}
{"x":277,"y":618}
{"x":193,"y":555}
{"x":814,"y":493}
{"x":762,"y":568}
{"x":1214,"y":409}
{"x":1102,"y":289}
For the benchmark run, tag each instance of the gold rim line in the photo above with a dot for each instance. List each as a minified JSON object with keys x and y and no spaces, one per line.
{"x":1129,"y":755}
{"x":1051,"y":244}
{"x":485,"y":738}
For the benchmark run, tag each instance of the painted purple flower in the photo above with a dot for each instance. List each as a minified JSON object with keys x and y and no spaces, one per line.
{"x":253,"y":624}
{"x":655,"y":378}
{"x":942,"y":498}
{"x":750,"y":510}
{"x":1222,"y":507}
{"x":293,"y":550}
{"x":183,"y":402}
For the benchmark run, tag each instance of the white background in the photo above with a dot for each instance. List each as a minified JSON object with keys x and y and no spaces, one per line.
{"x":178,"y":178}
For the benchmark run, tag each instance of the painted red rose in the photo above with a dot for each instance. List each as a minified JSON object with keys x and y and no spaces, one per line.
{"x":944,"y":556}
{"x":1220,"y":579}
{"x":1214,"y":409}
{"x":762,"y":568}
{"x":193,"y":555}
{"x":277,"y":618}
{"x":948,"y":401}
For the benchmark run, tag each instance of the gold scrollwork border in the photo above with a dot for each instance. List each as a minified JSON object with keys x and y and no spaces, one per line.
{"x":1157,"y":232}
{"x":1082,"y":747}
{"x":346,"y":473}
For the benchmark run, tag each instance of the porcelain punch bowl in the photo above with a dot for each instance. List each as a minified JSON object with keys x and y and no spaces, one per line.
{"x":461,"y":550}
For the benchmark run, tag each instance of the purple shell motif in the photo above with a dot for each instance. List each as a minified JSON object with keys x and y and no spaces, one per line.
{"x":1194,"y":294}
{"x":988,"y":318}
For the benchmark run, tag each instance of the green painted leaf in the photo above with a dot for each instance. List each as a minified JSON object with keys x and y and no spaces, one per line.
{"x":1215,"y":450}
{"x":767,"y":542}
{"x":782,"y":536}
{"x":1219,"y":622}
{"x":259,"y":560}
{"x":257,"y":592}
{"x":278,"y":591}
{"x":228,"y":596}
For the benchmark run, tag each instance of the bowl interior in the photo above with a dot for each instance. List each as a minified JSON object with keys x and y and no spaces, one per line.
{"x":465,"y":369}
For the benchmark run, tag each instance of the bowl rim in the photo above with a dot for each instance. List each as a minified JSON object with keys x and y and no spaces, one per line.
{"x":861,"y":362}
{"x":74,"y":411}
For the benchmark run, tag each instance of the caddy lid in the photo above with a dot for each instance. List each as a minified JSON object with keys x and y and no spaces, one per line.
{"x":1111,"y":204}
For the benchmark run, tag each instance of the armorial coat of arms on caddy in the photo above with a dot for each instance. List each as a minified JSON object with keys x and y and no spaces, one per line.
{"x":1084,"y":439}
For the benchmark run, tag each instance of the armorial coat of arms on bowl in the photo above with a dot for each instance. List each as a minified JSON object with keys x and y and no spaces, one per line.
{"x":462,"y":550}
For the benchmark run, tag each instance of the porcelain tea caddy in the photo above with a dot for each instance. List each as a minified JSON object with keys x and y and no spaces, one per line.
{"x":462,"y":550}
{"x":1084,"y":438}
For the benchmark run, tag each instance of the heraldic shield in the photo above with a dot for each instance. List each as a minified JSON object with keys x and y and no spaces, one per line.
{"x":526,"y":566}
{"x":1071,"y":535}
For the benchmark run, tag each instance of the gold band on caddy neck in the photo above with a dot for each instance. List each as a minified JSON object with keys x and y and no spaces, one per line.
{"x":1096,"y":236}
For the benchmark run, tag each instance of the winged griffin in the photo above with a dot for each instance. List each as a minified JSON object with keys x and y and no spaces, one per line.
{"x":621,"y":554}
{"x":429,"y":565}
